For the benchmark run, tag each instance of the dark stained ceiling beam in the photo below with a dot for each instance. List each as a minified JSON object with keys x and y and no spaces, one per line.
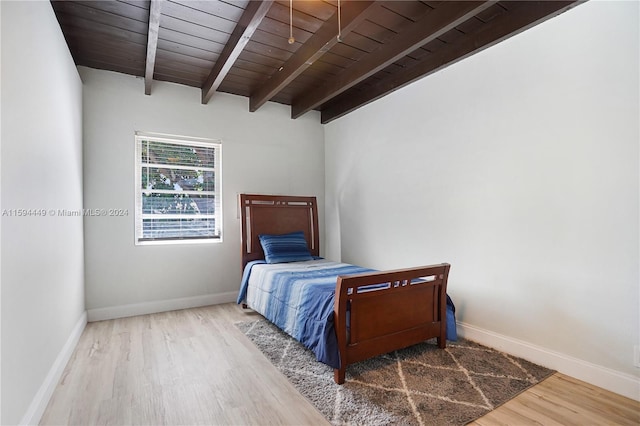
{"x":435,"y":23}
{"x":352,"y":14}
{"x":152,"y":43}
{"x":246,"y":26}
{"x":522,"y":16}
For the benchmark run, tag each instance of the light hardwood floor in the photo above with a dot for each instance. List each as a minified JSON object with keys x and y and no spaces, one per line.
{"x":195,"y":367}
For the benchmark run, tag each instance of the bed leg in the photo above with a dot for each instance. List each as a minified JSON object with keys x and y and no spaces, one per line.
{"x":244,"y":306}
{"x":338,"y":375}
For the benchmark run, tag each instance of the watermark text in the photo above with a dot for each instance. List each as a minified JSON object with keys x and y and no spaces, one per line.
{"x":64,"y":212}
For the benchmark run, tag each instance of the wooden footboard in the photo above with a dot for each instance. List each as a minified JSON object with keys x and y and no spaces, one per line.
{"x":411,"y":309}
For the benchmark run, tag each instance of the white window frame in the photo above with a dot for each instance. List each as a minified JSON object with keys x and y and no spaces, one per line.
{"x":140,"y":137}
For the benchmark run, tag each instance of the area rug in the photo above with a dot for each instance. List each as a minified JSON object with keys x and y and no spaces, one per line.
{"x":420,"y":385}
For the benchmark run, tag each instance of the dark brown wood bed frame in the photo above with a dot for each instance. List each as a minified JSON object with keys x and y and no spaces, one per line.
{"x":381,"y":321}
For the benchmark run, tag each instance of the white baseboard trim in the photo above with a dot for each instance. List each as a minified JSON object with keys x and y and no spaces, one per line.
{"x":39,"y":403}
{"x":122,"y":311}
{"x":606,"y":378}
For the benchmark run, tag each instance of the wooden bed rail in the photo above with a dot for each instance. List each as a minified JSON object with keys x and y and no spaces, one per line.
{"x":411,"y":308}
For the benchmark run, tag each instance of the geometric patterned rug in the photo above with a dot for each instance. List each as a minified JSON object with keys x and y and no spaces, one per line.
{"x":420,"y":385}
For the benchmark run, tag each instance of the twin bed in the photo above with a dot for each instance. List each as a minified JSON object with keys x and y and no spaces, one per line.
{"x":343,"y":313}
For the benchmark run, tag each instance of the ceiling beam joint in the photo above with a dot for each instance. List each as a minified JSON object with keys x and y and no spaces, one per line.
{"x":248,"y":23}
{"x":152,"y":43}
{"x":434,"y":24}
{"x":352,"y":14}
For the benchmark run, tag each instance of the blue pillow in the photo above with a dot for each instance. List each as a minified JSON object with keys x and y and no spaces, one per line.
{"x":282,"y":248}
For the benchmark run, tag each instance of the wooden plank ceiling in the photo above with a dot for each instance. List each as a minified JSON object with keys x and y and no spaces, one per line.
{"x":243,"y":47}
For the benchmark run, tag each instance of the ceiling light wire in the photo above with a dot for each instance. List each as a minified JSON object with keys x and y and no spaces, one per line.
{"x":339,"y":38}
{"x":291,"y":39}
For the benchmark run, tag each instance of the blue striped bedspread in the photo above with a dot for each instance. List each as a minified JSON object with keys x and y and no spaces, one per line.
{"x":298,"y":297}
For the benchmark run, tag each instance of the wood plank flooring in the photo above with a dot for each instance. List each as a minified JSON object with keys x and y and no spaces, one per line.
{"x":195,"y":367}
{"x":563,"y":400}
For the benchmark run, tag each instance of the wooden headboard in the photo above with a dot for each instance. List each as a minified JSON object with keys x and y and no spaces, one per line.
{"x":276,"y":214}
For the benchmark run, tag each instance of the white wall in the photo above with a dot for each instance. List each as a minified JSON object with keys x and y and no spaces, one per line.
{"x":519,"y":166}
{"x":0,"y":210}
{"x":262,"y":152}
{"x":42,"y":257}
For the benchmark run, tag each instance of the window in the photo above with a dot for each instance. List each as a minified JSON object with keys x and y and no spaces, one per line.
{"x":177,"y":189}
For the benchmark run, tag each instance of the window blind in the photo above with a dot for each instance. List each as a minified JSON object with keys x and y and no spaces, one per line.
{"x":177,"y":189}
